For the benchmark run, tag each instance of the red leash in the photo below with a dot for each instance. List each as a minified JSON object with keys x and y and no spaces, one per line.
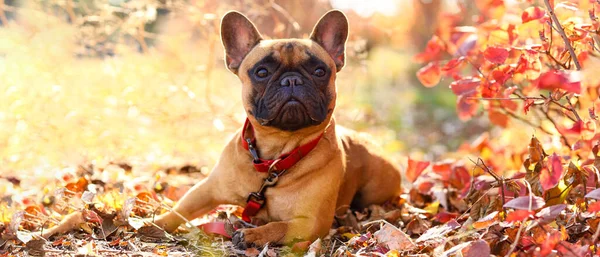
{"x":275,"y":168}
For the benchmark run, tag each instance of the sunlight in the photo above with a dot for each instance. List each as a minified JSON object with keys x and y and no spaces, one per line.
{"x":368,"y":8}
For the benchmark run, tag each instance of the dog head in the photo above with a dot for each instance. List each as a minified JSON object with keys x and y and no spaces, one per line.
{"x":288,"y":84}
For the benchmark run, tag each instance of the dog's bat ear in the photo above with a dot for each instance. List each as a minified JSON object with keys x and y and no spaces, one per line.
{"x":331,"y":33}
{"x":239,"y":36}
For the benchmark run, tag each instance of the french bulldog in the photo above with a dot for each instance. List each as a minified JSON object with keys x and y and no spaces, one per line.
{"x":290,"y":165}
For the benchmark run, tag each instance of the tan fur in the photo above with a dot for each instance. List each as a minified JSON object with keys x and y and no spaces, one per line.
{"x":303,"y":203}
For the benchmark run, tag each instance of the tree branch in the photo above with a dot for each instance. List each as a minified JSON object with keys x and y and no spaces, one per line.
{"x":561,"y":31}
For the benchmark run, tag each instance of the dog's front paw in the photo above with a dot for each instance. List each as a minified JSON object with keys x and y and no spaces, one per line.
{"x":248,"y":237}
{"x":238,"y":240}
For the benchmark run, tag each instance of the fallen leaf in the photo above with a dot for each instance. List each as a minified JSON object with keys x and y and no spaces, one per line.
{"x":594,"y":194}
{"x":524,"y":202}
{"x":519,"y":215}
{"x":594,"y":207}
{"x":438,"y":232}
{"x":549,"y":214}
{"x":551,"y":174}
{"x":487,"y":221}
{"x":415,"y":168}
{"x":251,"y":252}
{"x":477,"y":248}
{"x":24,"y":236}
{"x":393,"y":238}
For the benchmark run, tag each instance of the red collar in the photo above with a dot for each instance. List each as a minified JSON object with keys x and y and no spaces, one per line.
{"x":284,"y":162}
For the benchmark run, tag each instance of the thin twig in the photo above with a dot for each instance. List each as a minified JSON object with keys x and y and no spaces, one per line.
{"x":555,"y":60}
{"x":69,"y":9}
{"x":565,"y":140}
{"x":505,"y":98}
{"x":561,"y":31}
{"x":572,"y":109}
{"x":3,"y":18}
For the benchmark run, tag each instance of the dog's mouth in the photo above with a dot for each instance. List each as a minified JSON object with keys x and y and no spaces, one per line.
{"x":293,"y":114}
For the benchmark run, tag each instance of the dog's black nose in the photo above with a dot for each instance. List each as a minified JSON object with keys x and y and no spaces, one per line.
{"x":292,"y":80}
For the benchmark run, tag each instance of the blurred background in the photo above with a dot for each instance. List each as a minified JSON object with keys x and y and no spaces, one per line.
{"x":143,"y":81}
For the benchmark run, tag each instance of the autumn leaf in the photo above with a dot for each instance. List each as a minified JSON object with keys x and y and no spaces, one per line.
{"x":536,"y":152}
{"x":430,"y":75}
{"x":498,"y":118}
{"x":433,"y":50}
{"x":532,"y":13}
{"x":519,"y":215}
{"x":393,"y":238}
{"x":574,"y":129}
{"x":415,"y":168}
{"x":477,"y":248}
{"x":549,"y":214}
{"x":594,"y":194}
{"x":551,"y":241}
{"x":487,"y":221}
{"x":525,"y":202}
{"x":565,"y":80}
{"x":496,"y":55}
{"x":527,"y":104}
{"x":550,"y":175}
{"x":454,"y":63}
{"x":465,"y":86}
{"x":594,"y":207}
{"x":466,"y":108}
{"x":558,"y":194}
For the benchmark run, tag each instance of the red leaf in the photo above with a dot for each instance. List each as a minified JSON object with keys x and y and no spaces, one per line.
{"x":430,"y":75}
{"x":594,"y":207}
{"x":498,"y":118}
{"x":575,"y":129}
{"x":549,"y":244}
{"x":432,"y":51}
{"x":444,"y":216}
{"x":550,"y":175}
{"x":595,"y":194}
{"x":497,"y":55}
{"x":503,"y":73}
{"x":522,"y":203}
{"x":519,"y":215}
{"x":477,"y":248}
{"x":509,"y":104}
{"x":454,"y":63}
{"x":559,"y":80}
{"x":532,"y":13}
{"x":91,"y":216}
{"x":528,"y":103}
{"x":466,"y":86}
{"x":466,"y":108}
{"x":487,"y":221}
{"x":415,"y":168}
{"x":549,"y":214}
{"x":467,"y":44}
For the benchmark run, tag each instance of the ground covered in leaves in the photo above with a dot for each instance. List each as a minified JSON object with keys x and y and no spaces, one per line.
{"x":454,"y":209}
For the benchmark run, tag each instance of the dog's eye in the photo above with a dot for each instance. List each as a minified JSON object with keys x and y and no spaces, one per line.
{"x":319,"y":72}
{"x":262,"y":73}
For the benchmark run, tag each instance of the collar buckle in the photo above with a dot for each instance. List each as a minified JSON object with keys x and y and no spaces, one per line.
{"x":252,"y":150}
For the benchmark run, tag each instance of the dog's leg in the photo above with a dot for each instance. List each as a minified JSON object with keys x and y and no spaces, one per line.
{"x":281,"y":232}
{"x":200,"y":199}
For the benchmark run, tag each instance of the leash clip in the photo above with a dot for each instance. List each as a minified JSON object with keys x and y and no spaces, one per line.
{"x":259,"y":196}
{"x":252,"y":151}
{"x":256,"y":197}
